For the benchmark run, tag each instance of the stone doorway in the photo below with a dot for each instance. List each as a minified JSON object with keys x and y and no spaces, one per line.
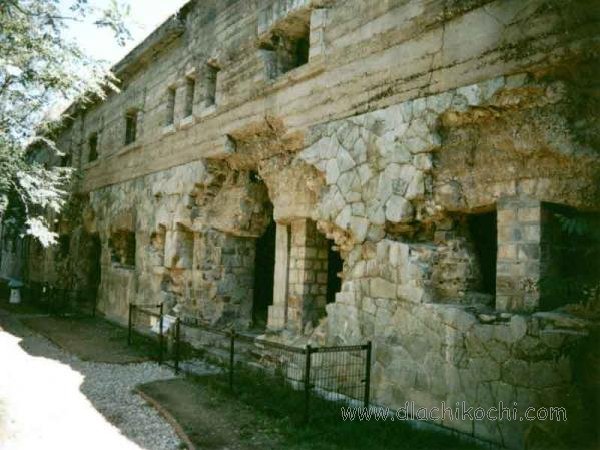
{"x":86,"y":249}
{"x":264,"y":267}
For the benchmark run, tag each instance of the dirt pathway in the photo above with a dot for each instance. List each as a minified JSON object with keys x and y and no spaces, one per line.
{"x":50,"y":399}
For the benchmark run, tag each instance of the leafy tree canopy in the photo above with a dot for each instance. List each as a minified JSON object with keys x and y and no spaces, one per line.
{"x":40,"y":67}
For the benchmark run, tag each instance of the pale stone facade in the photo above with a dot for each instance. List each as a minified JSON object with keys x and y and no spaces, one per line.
{"x":421,"y":143}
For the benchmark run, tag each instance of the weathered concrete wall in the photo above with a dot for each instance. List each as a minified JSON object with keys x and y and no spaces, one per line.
{"x":407,"y":120}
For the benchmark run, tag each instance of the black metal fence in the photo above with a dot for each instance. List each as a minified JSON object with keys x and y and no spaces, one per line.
{"x":59,"y":301}
{"x":323,"y":377}
{"x":146,"y":326}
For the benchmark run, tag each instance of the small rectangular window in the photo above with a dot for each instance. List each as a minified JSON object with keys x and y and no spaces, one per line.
{"x":170,"y":106}
{"x":93,"y":147}
{"x":301,"y":51}
{"x":122,"y":248}
{"x":190,"y":92}
{"x":284,"y":51}
{"x":131,"y":127}
{"x":65,"y":161}
{"x":211,"y":84}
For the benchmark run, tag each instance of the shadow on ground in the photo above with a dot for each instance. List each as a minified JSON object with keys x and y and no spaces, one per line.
{"x":96,"y":353}
{"x":209,"y":420}
{"x":90,"y":339}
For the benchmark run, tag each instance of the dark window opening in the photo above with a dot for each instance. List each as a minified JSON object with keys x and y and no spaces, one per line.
{"x":570,"y":257}
{"x":170,"y":106}
{"x":211,"y":85}
{"x":284,"y":50}
{"x":255,"y":177}
{"x":89,"y":252}
{"x":190,"y":91}
{"x":485,"y":239}
{"x":335,"y":266}
{"x":64,"y":241}
{"x":65,"y":160}
{"x":264,"y":268}
{"x":122,"y":248}
{"x":302,"y":51}
{"x":131,"y":127}
{"x":93,"y":147}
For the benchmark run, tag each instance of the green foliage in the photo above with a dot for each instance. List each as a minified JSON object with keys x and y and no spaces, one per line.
{"x":39,"y":68}
{"x":578,"y":226}
{"x":580,"y":283}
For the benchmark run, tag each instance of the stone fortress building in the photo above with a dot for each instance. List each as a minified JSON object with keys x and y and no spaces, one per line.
{"x":337,"y":171}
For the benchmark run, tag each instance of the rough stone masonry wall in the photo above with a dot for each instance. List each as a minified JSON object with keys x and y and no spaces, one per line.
{"x":193,"y":250}
{"x":430,"y":353}
{"x":385,"y":183}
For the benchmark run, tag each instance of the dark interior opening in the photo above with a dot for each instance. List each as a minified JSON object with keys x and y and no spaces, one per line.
{"x":131,"y":127}
{"x":335,"y":265}
{"x":264,"y":267}
{"x":65,"y":160}
{"x":255,"y":177}
{"x":64,"y":242}
{"x":171,"y":93}
{"x":95,"y":267}
{"x":122,"y":246}
{"x":302,"y":51}
{"x":210,"y":81}
{"x":287,"y":47}
{"x":570,"y":248}
{"x":93,"y":144}
{"x":190,"y":93}
{"x":485,"y":239}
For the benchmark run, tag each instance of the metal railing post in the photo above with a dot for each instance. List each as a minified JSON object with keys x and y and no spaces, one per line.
{"x":231,"y":357}
{"x":177,"y":337}
{"x":160,"y":335}
{"x":94,"y":301}
{"x":307,"y":384}
{"x":129,"y":323}
{"x":368,"y":375}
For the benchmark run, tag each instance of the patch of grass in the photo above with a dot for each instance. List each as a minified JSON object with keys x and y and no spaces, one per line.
{"x":24,"y":308}
{"x":279,"y":410}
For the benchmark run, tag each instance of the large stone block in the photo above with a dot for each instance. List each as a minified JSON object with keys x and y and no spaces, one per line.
{"x":398,"y":209}
{"x":382,"y":288}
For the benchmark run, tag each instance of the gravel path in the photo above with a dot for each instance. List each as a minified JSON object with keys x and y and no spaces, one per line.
{"x":52,"y":400}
